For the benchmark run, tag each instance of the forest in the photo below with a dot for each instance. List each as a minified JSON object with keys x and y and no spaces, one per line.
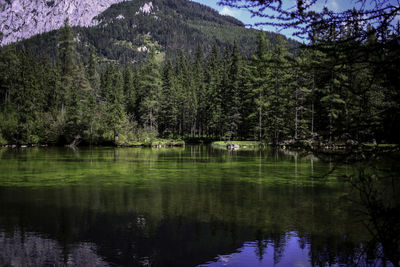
{"x":273,"y":95}
{"x":173,"y":26}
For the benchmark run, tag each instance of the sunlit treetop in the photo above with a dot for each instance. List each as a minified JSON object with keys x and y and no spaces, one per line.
{"x":309,"y":16}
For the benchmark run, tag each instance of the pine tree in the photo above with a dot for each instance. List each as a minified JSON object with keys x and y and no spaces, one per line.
{"x":213,"y":94}
{"x":129,"y":91}
{"x":282,"y":105}
{"x":150,"y":86}
{"x":112,"y":93}
{"x":168,"y":106}
{"x":26,"y":97}
{"x":331,"y":99}
{"x":247,"y":126}
{"x":260,"y":75}
{"x":200,"y":90}
{"x":232,"y":95}
{"x":9,"y":68}
{"x":67,"y":58}
{"x":92,"y":74}
{"x":187,"y":97}
{"x":302,"y":84}
{"x":225,"y":96}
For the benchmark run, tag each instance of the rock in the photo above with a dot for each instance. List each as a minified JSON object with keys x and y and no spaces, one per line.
{"x":21,"y":19}
{"x":351,"y":142}
{"x":232,"y":146}
{"x":75,"y":142}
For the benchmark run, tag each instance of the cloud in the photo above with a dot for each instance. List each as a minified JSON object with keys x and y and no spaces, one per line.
{"x":333,"y":5}
{"x":230,"y":12}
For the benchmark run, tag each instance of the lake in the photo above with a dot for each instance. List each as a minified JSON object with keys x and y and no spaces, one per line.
{"x":191,"y":206}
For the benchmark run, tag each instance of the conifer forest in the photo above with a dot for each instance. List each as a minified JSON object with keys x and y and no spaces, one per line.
{"x":175,"y":133}
{"x":271,"y":95}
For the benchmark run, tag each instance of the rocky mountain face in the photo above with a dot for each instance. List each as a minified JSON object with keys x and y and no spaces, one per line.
{"x":21,"y":19}
{"x":123,"y":30}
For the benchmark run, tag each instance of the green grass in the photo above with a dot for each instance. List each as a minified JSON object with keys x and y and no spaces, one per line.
{"x":379,"y":145}
{"x":167,"y":142}
{"x":2,"y":141}
{"x":153,"y":143}
{"x":241,"y":144}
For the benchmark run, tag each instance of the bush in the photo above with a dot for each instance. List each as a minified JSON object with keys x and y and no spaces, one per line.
{"x":8,"y":126}
{"x":2,"y":140}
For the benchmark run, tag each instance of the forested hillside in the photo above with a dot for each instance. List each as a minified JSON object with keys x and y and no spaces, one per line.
{"x":127,"y":30}
{"x":222,"y":94}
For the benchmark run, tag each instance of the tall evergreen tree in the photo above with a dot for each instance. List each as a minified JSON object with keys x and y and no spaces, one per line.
{"x":233,"y":93}
{"x":112,"y":93}
{"x":199,"y":87}
{"x":280,"y":109}
{"x":150,"y":85}
{"x":92,"y":73}
{"x":168,"y":106}
{"x":260,"y":74}
{"x":129,"y":91}
{"x":67,"y":58}
{"x":213,"y":94}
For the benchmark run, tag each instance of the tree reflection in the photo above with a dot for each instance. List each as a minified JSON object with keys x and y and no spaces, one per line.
{"x":30,"y":249}
{"x":375,"y":201}
{"x":379,"y":208}
{"x":203,"y":212}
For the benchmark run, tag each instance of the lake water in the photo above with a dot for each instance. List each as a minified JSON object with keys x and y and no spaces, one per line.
{"x":192,"y":206}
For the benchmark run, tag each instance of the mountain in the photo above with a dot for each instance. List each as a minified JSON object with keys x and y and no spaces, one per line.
{"x":21,"y":19}
{"x":125,"y":31}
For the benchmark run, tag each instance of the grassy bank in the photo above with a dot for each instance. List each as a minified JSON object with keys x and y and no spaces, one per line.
{"x":337,"y":147}
{"x":152,"y":143}
{"x":237,"y":144}
{"x":120,"y":143}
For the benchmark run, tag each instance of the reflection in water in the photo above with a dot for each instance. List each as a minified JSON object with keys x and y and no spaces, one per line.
{"x":180,"y":207}
{"x":379,"y":206}
{"x":29,"y":249}
{"x":262,"y":253}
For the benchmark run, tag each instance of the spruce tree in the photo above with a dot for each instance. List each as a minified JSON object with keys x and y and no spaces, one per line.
{"x":149,"y":93}
{"x":260,"y":75}
{"x":168,"y":105}
{"x":199,"y":87}
{"x":129,"y":91}
{"x":112,"y":93}
{"x":235,"y":78}
{"x":213,"y":94}
{"x":281,"y":105}
{"x":67,"y":60}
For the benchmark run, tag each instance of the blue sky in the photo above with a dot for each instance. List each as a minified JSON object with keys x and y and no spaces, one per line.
{"x":245,"y":16}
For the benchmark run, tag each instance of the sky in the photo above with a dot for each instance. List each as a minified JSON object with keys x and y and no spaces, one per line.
{"x":245,"y":16}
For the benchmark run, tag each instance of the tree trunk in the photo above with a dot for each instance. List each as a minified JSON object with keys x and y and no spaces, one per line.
{"x":296,"y":115}
{"x":76,"y":142}
{"x":312,"y":106}
{"x":260,"y":118}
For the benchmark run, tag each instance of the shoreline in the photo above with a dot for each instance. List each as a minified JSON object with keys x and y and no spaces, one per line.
{"x":315,"y":147}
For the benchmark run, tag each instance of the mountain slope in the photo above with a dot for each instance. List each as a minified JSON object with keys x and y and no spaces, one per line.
{"x":21,"y":19}
{"x":126,"y":31}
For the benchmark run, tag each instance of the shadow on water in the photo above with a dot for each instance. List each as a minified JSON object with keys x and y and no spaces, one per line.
{"x":377,"y":199}
{"x":191,"y":206}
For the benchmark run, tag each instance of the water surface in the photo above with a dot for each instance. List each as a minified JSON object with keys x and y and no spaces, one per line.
{"x":192,"y":206}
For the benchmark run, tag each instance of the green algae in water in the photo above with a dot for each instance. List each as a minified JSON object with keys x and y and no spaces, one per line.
{"x":108,"y":166}
{"x":174,"y":207}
